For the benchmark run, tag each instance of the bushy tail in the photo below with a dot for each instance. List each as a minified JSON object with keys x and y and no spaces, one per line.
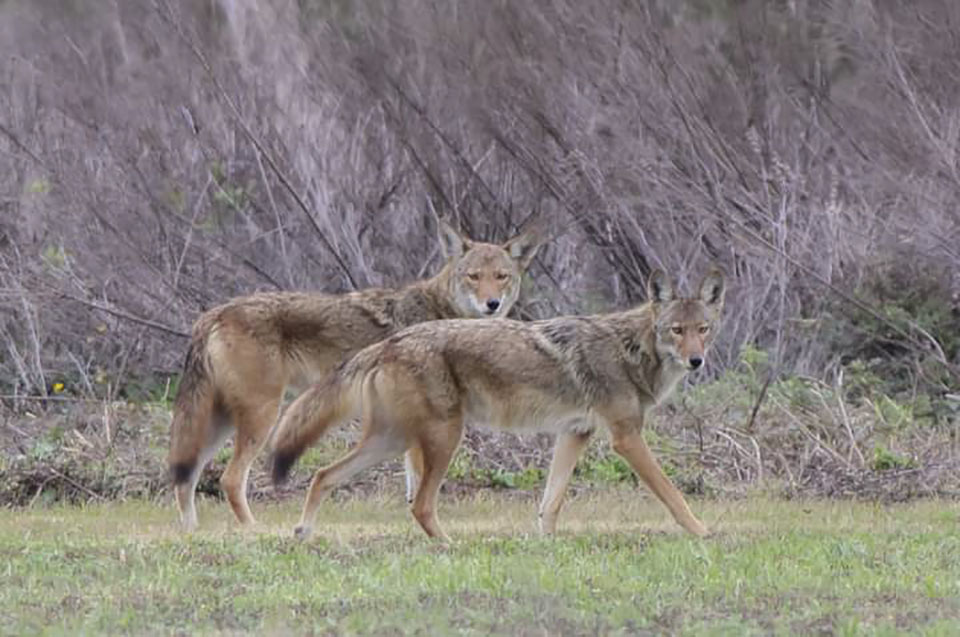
{"x":195,"y":409}
{"x":314,"y":412}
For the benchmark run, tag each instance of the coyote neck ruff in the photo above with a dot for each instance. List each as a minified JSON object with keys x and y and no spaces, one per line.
{"x":420,"y":387}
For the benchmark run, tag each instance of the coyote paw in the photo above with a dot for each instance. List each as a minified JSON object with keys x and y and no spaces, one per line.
{"x":700,"y":530}
{"x":547,"y":523}
{"x":188,"y":524}
{"x":302,"y":532}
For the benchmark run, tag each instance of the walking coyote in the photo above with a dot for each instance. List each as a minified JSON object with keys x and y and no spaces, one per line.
{"x":244,"y":353}
{"x":418,"y":389}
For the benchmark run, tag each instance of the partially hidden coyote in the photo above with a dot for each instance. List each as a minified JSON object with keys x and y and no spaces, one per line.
{"x":244,"y":353}
{"x":417,"y":390}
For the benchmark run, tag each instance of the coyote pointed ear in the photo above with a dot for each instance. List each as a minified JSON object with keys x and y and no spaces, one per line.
{"x":454,"y":244}
{"x":523,"y":247}
{"x":659,"y":288}
{"x":712,"y":288}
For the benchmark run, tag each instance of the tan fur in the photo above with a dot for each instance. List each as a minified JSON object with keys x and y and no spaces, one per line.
{"x":421,"y":387}
{"x":244,"y":353}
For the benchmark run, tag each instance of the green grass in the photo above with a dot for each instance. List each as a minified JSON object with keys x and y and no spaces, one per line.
{"x":619,"y":565}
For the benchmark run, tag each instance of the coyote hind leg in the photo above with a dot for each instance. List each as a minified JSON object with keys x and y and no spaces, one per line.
{"x":371,"y":450}
{"x":253,"y":426}
{"x":185,"y":486}
{"x":436,"y":453}
{"x":186,"y":491}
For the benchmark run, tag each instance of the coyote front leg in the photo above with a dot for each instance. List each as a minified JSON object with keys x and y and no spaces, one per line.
{"x":566,"y":452}
{"x":628,"y":442}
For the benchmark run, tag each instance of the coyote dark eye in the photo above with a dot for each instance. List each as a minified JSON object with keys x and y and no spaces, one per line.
{"x":502,"y":276}
{"x":473,"y":276}
{"x":676,"y":329}
{"x":704,"y":329}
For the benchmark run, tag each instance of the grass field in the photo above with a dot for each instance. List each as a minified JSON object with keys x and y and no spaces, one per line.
{"x":619,"y":566}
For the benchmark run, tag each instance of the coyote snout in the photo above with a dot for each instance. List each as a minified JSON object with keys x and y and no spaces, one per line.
{"x":485,"y":291}
{"x":689,"y":342}
{"x":485,"y":288}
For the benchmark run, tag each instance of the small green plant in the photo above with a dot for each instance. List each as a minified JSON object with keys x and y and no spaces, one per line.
{"x":55,"y":258}
{"x":798,"y":393}
{"x":891,"y":413}
{"x":738,"y":387}
{"x":156,"y":389}
{"x":529,"y":478}
{"x":756,"y":360}
{"x":231,"y":196}
{"x":224,"y":454}
{"x":886,"y":460}
{"x":860,"y":380}
{"x":42,"y":449}
{"x":460,"y":467}
{"x":38,"y":187}
{"x":177,"y":199}
{"x":609,"y":468}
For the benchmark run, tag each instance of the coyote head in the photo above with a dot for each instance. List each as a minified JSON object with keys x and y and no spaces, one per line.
{"x":684,"y":326}
{"x":484,"y":277}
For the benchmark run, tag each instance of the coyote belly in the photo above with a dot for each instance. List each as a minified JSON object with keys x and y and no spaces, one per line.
{"x":243,"y":354}
{"x":420,"y":388}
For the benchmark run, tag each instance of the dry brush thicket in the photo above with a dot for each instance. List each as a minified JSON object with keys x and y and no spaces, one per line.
{"x":159,"y":157}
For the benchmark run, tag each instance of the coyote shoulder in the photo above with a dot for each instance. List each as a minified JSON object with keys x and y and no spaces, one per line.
{"x":418,"y":389}
{"x":244,"y":353}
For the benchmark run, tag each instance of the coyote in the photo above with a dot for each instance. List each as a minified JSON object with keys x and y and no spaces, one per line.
{"x":244,"y":353}
{"x":418,"y":389}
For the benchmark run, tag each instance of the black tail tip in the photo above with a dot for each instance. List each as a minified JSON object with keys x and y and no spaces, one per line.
{"x":181,"y":471}
{"x":282,"y":463}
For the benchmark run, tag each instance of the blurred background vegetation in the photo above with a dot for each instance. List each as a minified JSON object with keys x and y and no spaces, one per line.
{"x":159,"y":157}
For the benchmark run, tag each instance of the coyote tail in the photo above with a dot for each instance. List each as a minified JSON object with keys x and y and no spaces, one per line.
{"x":194,"y":410}
{"x":316,"y":410}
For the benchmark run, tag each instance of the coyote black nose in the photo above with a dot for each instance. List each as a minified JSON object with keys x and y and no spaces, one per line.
{"x":493,"y":304}
{"x":696,"y":361}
